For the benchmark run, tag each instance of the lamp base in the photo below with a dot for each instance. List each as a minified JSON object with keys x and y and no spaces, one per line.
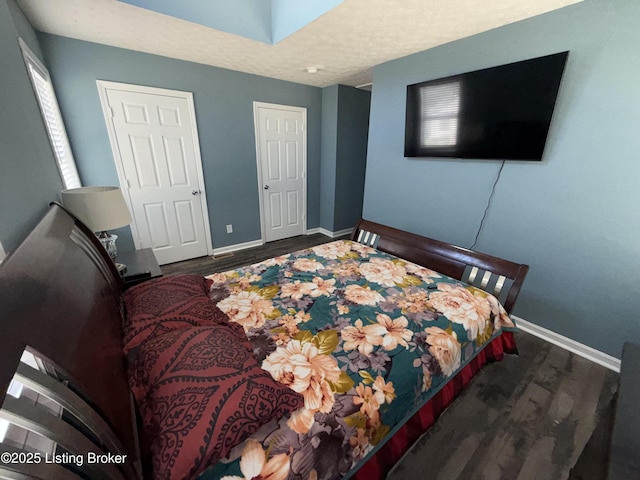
{"x":109,"y":243}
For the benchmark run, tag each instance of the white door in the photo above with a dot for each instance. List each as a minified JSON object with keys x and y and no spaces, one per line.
{"x":155,"y":144}
{"x":281,"y":152}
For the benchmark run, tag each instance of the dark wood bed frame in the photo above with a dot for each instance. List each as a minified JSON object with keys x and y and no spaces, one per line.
{"x":499,"y":277}
{"x":61,"y":300}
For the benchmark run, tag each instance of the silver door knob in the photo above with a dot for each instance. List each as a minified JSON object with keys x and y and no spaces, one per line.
{"x":266,"y":187}
{"x":195,"y":192}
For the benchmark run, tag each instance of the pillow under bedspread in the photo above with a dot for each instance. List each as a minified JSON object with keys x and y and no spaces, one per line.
{"x":201,"y":392}
{"x":169,"y":303}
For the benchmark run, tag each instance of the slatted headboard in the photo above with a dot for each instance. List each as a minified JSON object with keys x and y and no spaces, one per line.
{"x":499,"y":277}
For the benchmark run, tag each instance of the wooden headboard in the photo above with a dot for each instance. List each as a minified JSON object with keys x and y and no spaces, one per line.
{"x":492,"y":274}
{"x":60,"y":297}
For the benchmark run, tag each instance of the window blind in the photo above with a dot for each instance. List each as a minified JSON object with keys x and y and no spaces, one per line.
{"x":52,"y":118}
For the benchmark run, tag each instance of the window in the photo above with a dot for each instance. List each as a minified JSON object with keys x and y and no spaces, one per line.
{"x":52,"y":119}
{"x":439,"y":107}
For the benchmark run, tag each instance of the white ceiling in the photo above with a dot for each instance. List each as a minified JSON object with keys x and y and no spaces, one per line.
{"x":345,"y":43}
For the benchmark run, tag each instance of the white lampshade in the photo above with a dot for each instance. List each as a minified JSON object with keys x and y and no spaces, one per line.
{"x":99,"y":208}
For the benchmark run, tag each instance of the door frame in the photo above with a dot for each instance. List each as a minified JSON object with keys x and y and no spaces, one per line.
{"x":290,"y":108}
{"x":103,"y":86}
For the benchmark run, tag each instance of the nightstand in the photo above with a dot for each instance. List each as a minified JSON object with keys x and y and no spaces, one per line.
{"x":141,"y":266}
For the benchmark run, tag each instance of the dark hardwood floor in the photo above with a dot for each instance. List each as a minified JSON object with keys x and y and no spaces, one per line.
{"x":223,"y":263}
{"x":527,"y":417}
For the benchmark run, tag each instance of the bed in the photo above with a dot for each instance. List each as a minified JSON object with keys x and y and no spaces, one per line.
{"x":63,"y":305}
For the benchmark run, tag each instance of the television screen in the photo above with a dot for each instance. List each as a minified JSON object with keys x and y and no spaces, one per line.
{"x":496,"y":113}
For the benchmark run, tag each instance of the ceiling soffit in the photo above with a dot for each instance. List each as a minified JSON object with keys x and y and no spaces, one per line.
{"x":264,"y":21}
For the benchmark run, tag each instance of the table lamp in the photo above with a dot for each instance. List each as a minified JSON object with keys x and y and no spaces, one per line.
{"x":100,"y":209}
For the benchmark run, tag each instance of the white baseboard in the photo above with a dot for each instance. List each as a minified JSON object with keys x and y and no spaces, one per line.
{"x":339,"y":233}
{"x":236,"y":247}
{"x":580,"y":349}
{"x":327,"y":233}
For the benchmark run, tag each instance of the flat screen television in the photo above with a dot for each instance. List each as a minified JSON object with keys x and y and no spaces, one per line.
{"x":499,"y":113}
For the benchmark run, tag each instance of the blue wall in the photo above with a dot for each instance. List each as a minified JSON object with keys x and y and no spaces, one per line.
{"x":224,"y":111}
{"x":352,"y":136}
{"x":329,"y":152}
{"x":575,"y":216}
{"x":29,"y":178}
{"x":345,"y":124}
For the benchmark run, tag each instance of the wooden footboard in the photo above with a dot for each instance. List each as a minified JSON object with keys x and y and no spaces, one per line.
{"x":497,"y":276}
{"x":61,"y":344}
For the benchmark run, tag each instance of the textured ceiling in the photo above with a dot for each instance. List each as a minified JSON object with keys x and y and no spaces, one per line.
{"x":345,"y":43}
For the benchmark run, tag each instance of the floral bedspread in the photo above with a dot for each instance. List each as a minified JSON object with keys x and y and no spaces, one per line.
{"x":365,"y":337}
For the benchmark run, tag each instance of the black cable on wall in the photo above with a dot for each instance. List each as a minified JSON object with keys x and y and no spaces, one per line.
{"x":486,"y":210}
